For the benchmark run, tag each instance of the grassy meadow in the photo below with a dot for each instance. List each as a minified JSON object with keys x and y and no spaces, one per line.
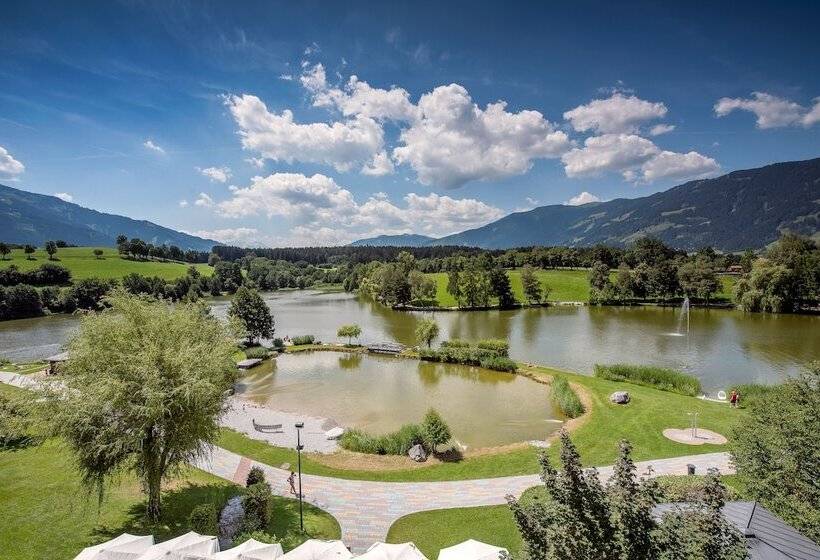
{"x":564,"y":285}
{"x":83,"y":264}
{"x":46,"y":513}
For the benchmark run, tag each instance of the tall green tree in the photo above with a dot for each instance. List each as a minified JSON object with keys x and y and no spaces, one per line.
{"x":500,"y":287}
{"x":426,"y":331}
{"x":530,"y":285}
{"x":29,"y":250}
{"x":145,"y":388}
{"x":776,"y":451}
{"x":51,"y":249}
{"x":697,"y":278}
{"x":434,"y":430}
{"x":4,"y":250}
{"x":454,"y":286}
{"x":599,"y":276}
{"x":253,"y":313}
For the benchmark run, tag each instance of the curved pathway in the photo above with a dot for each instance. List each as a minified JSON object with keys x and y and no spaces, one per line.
{"x":366,"y":509}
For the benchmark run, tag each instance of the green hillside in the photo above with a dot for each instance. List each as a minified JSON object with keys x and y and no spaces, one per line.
{"x":83,"y":264}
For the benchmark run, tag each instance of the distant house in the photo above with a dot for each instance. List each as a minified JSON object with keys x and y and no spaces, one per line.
{"x":767,"y":536}
{"x":54,"y":363}
{"x":734,"y":269}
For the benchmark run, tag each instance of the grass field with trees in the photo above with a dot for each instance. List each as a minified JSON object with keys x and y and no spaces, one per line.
{"x":83,"y":263}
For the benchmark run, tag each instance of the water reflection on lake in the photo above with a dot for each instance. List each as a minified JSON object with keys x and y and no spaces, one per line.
{"x":379,"y":394}
{"x":723,"y":346}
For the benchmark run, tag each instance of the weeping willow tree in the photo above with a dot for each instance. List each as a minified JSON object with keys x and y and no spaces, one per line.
{"x":144,"y":389}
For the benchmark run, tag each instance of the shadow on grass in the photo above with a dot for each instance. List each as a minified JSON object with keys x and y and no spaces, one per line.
{"x":177,"y":505}
{"x":451,"y":455}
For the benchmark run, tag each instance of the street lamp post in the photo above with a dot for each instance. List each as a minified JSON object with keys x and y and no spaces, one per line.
{"x":299,"y":426}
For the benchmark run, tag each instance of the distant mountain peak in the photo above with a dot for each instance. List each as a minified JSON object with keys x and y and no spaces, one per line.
{"x":27,"y":217}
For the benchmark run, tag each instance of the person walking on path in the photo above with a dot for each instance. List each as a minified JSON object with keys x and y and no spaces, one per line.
{"x":292,"y":482}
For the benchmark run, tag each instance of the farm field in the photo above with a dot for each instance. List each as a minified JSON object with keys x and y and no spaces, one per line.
{"x":83,"y":264}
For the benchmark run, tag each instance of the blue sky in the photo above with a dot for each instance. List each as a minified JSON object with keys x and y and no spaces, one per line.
{"x":285,"y":123}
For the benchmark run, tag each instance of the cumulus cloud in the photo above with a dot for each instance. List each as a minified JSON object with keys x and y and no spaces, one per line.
{"x":617,"y":114}
{"x":659,"y":129}
{"x":381,"y":165}
{"x":242,"y":236}
{"x":218,"y":174}
{"x":342,"y":145}
{"x":153,"y":147}
{"x":204,"y":200}
{"x":317,"y":201}
{"x":454,"y":141}
{"x":183,"y":203}
{"x":636,"y":158}
{"x":8,"y":165}
{"x":771,"y":111}
{"x":583,"y":197}
{"x":258,"y":163}
{"x":64,"y":196}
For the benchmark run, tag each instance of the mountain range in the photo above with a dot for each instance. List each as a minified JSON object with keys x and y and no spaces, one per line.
{"x":27,"y":217}
{"x":742,"y":209}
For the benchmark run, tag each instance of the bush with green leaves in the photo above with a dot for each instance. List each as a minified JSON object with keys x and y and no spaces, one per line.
{"x":257,"y":352}
{"x":349,"y":332}
{"x":394,"y":443}
{"x":651,"y":376}
{"x":434,"y":430}
{"x":255,"y":476}
{"x":278,"y":343}
{"x":565,"y":398}
{"x":303,"y":339}
{"x":498,"y":363}
{"x":489,"y":354}
{"x":260,"y":536}
{"x":204,"y":519}
{"x":257,"y":505}
{"x":455,"y":343}
{"x":500,"y":347}
{"x":14,"y":421}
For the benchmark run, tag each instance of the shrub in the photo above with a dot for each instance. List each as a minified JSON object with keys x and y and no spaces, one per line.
{"x":361,"y":442}
{"x":20,"y":302}
{"x":566,"y":399}
{"x":498,"y":363}
{"x":434,"y":430}
{"x":257,"y":352}
{"x":257,"y":507}
{"x":260,"y":536}
{"x":455,"y":343}
{"x":303,"y":339}
{"x":204,"y":520}
{"x":255,"y":476}
{"x":278,"y":343}
{"x":500,"y":347}
{"x":688,"y":489}
{"x":651,"y":376}
{"x":394,"y":443}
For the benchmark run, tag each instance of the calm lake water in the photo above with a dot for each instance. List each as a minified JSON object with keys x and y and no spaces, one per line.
{"x":379,"y":394}
{"x":723,"y":347}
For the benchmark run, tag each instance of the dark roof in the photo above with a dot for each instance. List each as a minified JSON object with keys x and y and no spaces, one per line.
{"x":768,"y":536}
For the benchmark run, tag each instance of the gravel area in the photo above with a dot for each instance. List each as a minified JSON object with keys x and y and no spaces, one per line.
{"x":243,"y":412}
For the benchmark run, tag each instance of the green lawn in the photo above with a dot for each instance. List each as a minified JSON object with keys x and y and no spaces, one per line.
{"x":565,"y":285}
{"x":641,"y":421}
{"x":47,"y":514}
{"x":83,"y":264}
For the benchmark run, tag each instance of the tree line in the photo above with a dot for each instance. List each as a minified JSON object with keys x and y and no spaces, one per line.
{"x":136,"y":248}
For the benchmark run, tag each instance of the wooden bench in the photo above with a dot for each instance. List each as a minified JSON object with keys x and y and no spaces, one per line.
{"x":271,"y":428}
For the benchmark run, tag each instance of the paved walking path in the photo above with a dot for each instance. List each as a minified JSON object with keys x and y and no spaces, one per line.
{"x":366,"y":509}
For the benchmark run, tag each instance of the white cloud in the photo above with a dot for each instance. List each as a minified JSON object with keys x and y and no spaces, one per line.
{"x":453,"y":141}
{"x":659,"y":129}
{"x":636,"y":158}
{"x":342,"y":145}
{"x":286,"y":77}
{"x":153,"y":147}
{"x":242,"y":236}
{"x":218,"y":174}
{"x":771,"y":111}
{"x":532,"y":201}
{"x":183,"y":203}
{"x":204,"y":200}
{"x":583,"y":198}
{"x":318,"y":202}
{"x":8,"y":165}
{"x":610,"y":152}
{"x":667,"y":164}
{"x":258,"y":163}
{"x":381,"y":165}
{"x":64,"y":196}
{"x":616,"y":114}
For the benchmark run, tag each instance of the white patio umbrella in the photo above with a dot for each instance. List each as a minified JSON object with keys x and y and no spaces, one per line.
{"x":249,"y":550}
{"x":124,"y":547}
{"x":314,"y":549}
{"x":190,"y":543}
{"x":384,"y":551}
{"x":471,"y":550}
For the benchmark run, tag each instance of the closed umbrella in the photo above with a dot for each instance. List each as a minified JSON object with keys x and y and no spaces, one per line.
{"x":314,"y":549}
{"x":471,"y":550}
{"x":124,"y":547}
{"x":249,"y":550}
{"x":384,"y":551}
{"x":191,"y":543}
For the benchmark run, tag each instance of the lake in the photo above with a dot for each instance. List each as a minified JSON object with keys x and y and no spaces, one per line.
{"x":381,"y":393}
{"x":723,"y":347}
